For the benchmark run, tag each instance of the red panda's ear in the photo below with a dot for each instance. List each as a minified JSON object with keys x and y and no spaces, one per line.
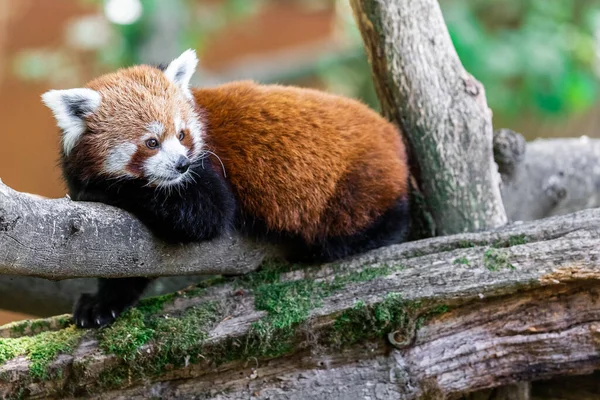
{"x":70,"y":107}
{"x":181,"y":69}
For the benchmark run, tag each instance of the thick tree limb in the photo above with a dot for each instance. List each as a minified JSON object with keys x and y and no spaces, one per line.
{"x":59,"y":239}
{"x":547,"y":176}
{"x":423,"y":87}
{"x":473,"y":311}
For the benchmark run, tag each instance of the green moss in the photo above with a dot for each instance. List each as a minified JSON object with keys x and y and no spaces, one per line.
{"x":19,"y":328}
{"x":393,"y":314}
{"x":289,"y":302}
{"x":41,"y":349}
{"x":269,"y":272}
{"x":39,"y":325}
{"x":178,"y":340}
{"x":518,"y":240}
{"x":175,"y":340}
{"x":125,"y":335}
{"x":266,"y":339}
{"x":515,"y":240}
{"x":367,"y":274}
{"x":170,"y":336}
{"x":181,"y":339}
{"x":496,"y":260}
{"x":462,"y":261}
{"x":288,"y":305}
{"x":46,"y":346}
{"x":465,"y":244}
{"x":154,"y":305}
{"x":366,"y":322}
{"x":115,"y":376}
{"x":31,"y":327}
{"x":11,"y":348}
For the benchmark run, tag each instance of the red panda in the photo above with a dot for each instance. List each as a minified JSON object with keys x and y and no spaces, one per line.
{"x":323,"y":176}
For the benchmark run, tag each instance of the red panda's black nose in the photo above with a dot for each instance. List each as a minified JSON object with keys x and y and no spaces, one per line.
{"x":182,"y":164}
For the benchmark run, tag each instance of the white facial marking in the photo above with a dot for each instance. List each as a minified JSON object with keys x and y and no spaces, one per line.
{"x":179,"y":125}
{"x":119,"y":158}
{"x":156,"y":128}
{"x":70,"y":107}
{"x":181,"y":69}
{"x":161,"y":166}
{"x":195,"y":128}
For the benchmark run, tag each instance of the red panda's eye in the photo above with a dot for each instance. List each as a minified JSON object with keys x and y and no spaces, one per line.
{"x":181,"y":135}
{"x":152,"y":143}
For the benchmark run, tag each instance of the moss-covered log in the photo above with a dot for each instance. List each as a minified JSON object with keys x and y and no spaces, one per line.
{"x":443,"y":315}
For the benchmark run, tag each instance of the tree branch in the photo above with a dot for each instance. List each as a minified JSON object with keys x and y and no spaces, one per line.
{"x":464,"y":312}
{"x":423,"y":87}
{"x":547,"y":177}
{"x":60,"y":238}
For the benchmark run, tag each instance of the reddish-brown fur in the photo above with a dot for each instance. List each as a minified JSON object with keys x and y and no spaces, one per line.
{"x":132,"y":98}
{"x":304,"y":161}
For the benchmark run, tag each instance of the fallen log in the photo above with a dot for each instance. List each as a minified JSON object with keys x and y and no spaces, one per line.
{"x":442,"y":315}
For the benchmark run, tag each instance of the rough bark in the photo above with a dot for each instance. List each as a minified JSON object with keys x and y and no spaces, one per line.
{"x":423,"y":87}
{"x":547,"y":176}
{"x":463,"y":312}
{"x":60,"y":238}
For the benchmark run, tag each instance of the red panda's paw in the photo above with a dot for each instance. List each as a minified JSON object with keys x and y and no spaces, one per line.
{"x":92,"y":311}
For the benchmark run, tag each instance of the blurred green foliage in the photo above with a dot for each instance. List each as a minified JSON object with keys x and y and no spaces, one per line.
{"x":533,"y":56}
{"x":196,"y":22}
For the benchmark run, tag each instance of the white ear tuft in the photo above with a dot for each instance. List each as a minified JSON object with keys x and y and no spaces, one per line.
{"x":70,"y":107}
{"x":181,"y":69}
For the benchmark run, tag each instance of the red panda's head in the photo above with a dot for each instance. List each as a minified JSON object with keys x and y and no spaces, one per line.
{"x":138,"y":122}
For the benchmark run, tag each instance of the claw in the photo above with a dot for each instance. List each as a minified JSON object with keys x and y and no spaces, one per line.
{"x":98,"y":321}
{"x":113,"y":313}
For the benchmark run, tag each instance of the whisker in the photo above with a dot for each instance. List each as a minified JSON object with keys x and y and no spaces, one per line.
{"x":218,"y":158}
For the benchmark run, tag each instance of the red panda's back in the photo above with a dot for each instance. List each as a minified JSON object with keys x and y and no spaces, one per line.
{"x":304,"y":161}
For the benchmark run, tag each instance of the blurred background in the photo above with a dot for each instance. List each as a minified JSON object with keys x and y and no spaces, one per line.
{"x":538,"y":59}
